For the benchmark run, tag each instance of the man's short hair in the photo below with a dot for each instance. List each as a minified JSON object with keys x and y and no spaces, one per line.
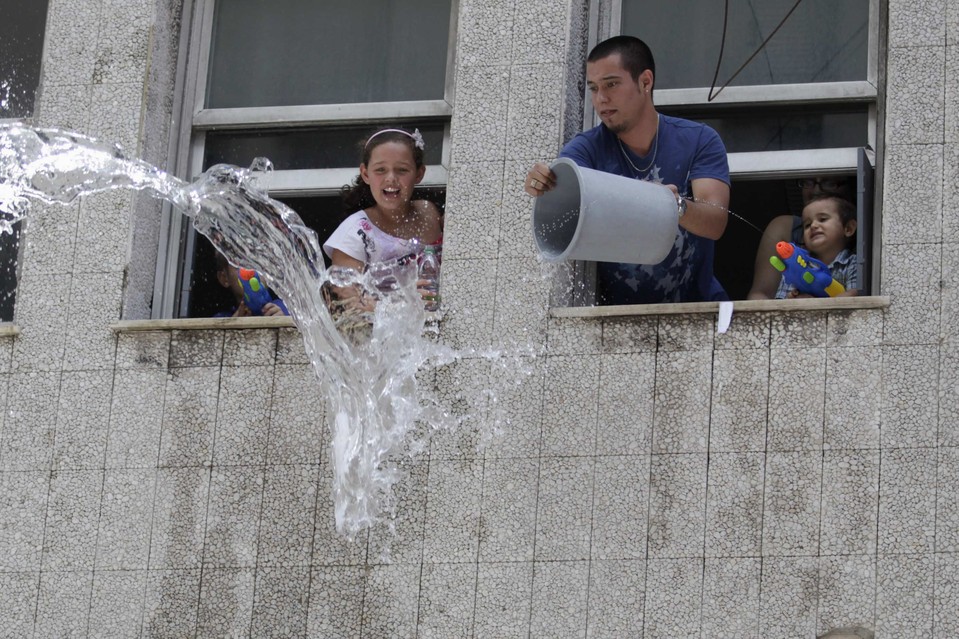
{"x":634,"y":54}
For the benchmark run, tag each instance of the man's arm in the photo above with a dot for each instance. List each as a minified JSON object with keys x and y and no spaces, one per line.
{"x":708,"y":214}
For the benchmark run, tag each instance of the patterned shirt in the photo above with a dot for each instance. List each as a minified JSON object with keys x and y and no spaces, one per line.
{"x":389,"y":258}
{"x":682,"y":151}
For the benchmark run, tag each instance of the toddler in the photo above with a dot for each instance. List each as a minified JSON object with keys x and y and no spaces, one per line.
{"x":829,"y":224}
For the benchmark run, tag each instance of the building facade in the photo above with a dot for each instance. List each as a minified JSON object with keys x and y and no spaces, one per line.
{"x":796,"y":473}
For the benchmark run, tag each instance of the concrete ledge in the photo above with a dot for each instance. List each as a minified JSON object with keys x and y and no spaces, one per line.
{"x":740,"y":306}
{"x":9,"y":329}
{"x":212,"y":323}
{"x":202,"y":323}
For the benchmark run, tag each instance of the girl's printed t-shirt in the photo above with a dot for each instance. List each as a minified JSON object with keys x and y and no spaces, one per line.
{"x":362,"y":240}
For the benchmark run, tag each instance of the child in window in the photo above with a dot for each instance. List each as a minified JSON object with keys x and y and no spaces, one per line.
{"x":788,"y":228}
{"x":389,"y":229}
{"x":229,"y":278}
{"x":829,"y":224}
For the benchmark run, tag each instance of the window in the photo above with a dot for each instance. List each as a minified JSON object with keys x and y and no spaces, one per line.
{"x":806,"y":105}
{"x":301,"y":83}
{"x":22,"y":27}
{"x":21,"y":47}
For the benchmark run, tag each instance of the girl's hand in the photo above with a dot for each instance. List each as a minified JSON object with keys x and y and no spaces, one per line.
{"x":426,"y":294}
{"x":421,"y":288}
{"x":363,"y":303}
{"x":353,"y":299}
{"x":241,"y":310}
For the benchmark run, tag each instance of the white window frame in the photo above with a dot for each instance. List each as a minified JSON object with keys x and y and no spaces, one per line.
{"x":174,"y":259}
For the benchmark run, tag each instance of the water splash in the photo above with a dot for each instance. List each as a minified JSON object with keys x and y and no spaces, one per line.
{"x":374,"y":400}
{"x":5,"y":91}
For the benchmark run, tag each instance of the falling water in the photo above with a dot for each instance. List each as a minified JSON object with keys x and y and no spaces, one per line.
{"x":373,"y":396}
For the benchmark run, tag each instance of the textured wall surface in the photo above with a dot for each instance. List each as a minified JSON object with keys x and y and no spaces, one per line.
{"x":797,"y":473}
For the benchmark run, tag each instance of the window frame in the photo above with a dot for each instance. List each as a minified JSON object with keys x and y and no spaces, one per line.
{"x":813,"y":91}
{"x":605,"y":20}
{"x":177,"y":240}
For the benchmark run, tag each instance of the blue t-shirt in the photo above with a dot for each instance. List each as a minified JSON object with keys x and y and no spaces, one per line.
{"x":684,"y":151}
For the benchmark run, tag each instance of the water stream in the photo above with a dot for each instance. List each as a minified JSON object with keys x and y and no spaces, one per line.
{"x":374,"y":400}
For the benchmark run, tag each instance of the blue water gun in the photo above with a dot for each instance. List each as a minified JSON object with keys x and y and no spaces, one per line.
{"x":803,"y":272}
{"x":255,"y":294}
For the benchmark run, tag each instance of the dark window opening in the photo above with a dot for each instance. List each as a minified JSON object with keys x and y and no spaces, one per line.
{"x":322,"y":214}
{"x":22,"y":27}
{"x":784,"y":128}
{"x":325,"y":148}
{"x":761,"y":200}
{"x":8,"y":272}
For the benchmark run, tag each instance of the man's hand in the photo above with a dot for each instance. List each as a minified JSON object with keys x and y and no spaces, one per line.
{"x":539,"y":179}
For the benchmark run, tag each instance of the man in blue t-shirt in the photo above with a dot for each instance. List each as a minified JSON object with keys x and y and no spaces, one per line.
{"x":636,"y":141}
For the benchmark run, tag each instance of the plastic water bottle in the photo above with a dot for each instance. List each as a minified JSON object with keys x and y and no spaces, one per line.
{"x":430,"y":271}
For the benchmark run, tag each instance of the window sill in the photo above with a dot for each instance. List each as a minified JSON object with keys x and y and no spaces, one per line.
{"x":207,"y":323}
{"x":202,"y":323}
{"x":9,"y":329}
{"x":739,"y":306}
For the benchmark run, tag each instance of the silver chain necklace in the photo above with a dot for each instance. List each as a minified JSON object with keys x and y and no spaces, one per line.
{"x":651,"y":160}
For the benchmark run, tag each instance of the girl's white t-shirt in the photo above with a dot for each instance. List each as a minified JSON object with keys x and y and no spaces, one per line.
{"x":362,"y":240}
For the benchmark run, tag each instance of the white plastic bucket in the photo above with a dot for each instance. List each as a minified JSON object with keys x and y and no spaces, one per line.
{"x":601,"y":217}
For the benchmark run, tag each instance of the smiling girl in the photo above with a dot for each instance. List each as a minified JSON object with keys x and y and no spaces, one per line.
{"x":390,"y":228}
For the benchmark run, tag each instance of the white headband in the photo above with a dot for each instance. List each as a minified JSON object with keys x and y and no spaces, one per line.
{"x":415,"y":136}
